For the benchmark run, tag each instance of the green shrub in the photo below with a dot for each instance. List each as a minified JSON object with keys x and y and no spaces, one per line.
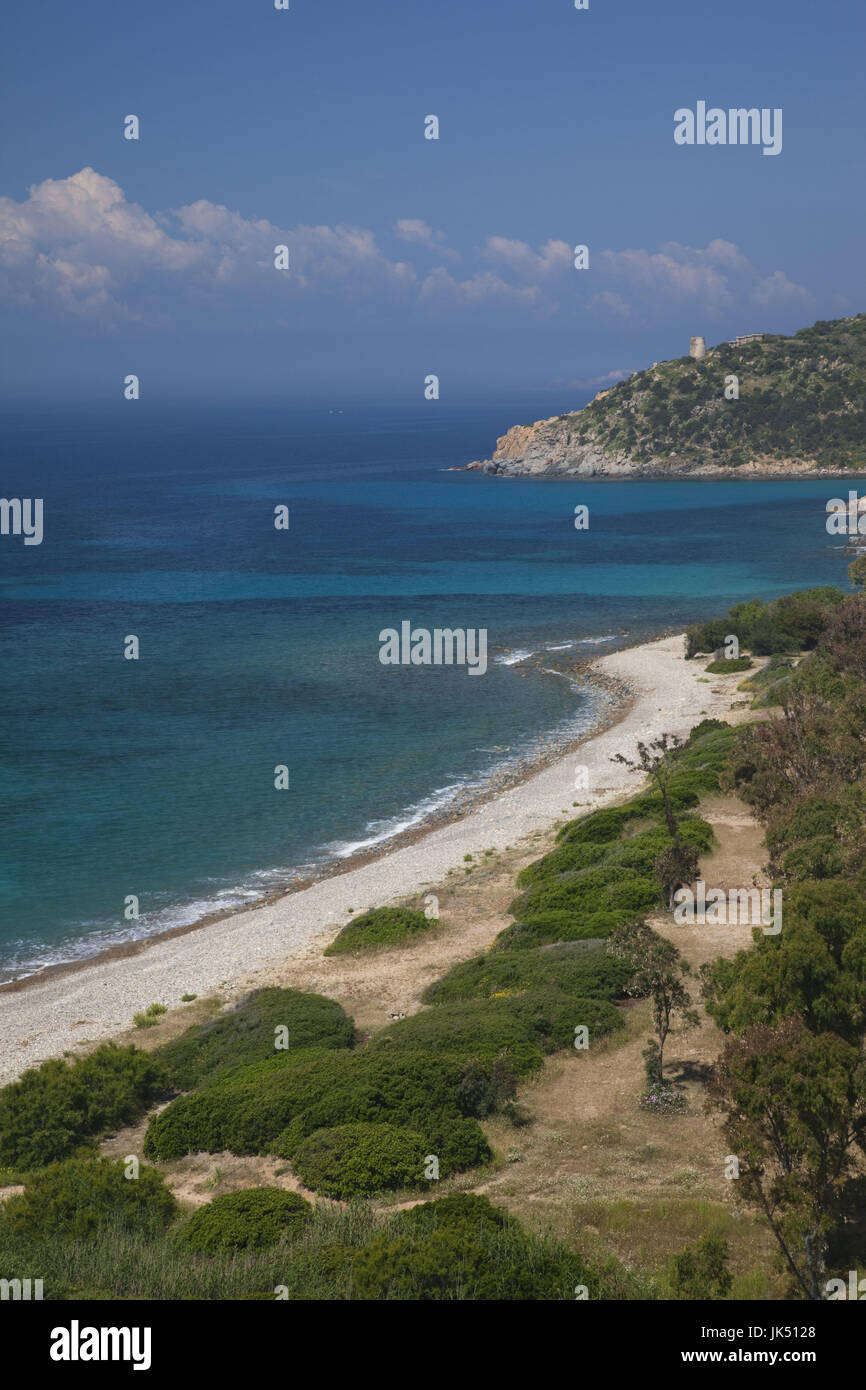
{"x":553,"y":1017}
{"x":608,"y":888}
{"x":580,"y":968}
{"x":484,"y":1091}
{"x":61,"y":1106}
{"x":247,"y":1034}
{"x":517,"y":1028}
{"x":598,"y":877}
{"x":815,"y":815}
{"x":820,"y":857}
{"x":271,"y":1106}
{"x":567,"y":857}
{"x":460,"y":1211}
{"x":767,"y":638}
{"x":252,"y":1218}
{"x":559,"y":925}
{"x":776,"y":669}
{"x":728,"y":665}
{"x":792,"y":623}
{"x":450,"y":1263}
{"x":639,"y":853}
{"x":598,"y":828}
{"x":471,"y":1030}
{"x":81,"y":1196}
{"x":358,"y":1160}
{"x":703,"y":1272}
{"x":382,"y":926}
{"x":707,"y":636}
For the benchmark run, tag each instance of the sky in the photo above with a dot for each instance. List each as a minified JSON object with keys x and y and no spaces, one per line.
{"x":410,"y":256}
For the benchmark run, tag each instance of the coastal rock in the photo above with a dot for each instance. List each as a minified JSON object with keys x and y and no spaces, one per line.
{"x":551,"y":447}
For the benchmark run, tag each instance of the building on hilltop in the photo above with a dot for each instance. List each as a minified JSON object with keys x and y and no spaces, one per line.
{"x":746,"y":338}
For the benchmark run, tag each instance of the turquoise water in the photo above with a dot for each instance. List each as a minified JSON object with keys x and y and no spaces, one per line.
{"x":259,"y":647}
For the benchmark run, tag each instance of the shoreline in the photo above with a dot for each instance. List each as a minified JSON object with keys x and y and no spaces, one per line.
{"x":608,"y":691}
{"x":83,"y":1002}
{"x":500,"y":468}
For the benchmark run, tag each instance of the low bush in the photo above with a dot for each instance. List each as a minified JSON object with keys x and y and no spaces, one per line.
{"x":382,"y":926}
{"x":580,"y":968}
{"x":490,"y":1263}
{"x":776,"y":669}
{"x":606,"y":888}
{"x":271,"y":1106}
{"x":250,"y":1219}
{"x":61,"y":1106}
{"x":569,"y":857}
{"x":727,"y":666}
{"x":553,"y":1017}
{"x":598,"y":828}
{"x":518,"y":1028}
{"x":474,"y":1030}
{"x":460,"y":1211}
{"x":703,"y":1272}
{"x":358,"y":1160}
{"x":247,"y":1034}
{"x":560,"y":925}
{"x":820,"y":857}
{"x":814,"y":815}
{"x":78,"y":1197}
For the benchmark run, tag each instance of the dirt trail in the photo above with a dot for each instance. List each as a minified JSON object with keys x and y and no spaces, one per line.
{"x":592,"y":1158}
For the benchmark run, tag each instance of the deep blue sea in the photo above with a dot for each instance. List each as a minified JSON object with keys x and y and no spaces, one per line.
{"x":260,"y":647}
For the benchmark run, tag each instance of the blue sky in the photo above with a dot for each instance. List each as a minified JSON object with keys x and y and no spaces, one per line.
{"x":411,"y":256}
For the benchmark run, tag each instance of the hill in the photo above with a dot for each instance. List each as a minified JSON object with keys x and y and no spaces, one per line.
{"x":801,"y":410}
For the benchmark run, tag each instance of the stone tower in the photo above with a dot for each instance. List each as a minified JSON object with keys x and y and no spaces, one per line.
{"x":697,"y":347}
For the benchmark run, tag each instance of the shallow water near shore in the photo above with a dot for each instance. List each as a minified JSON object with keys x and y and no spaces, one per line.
{"x":260,"y":648}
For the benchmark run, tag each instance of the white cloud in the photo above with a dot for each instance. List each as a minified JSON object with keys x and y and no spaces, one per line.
{"x":716,"y":279}
{"x":519,"y":256}
{"x":441,"y":287}
{"x":610,"y":300}
{"x":76,"y":245}
{"x":777,"y":291}
{"x":413,"y":229}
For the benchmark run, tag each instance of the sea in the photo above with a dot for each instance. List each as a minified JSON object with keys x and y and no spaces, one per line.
{"x":150,"y":782}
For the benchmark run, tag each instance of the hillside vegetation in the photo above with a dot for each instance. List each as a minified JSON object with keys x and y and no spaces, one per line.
{"x":801,"y":408}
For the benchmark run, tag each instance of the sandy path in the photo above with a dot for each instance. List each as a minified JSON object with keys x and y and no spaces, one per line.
{"x":63,"y":1011}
